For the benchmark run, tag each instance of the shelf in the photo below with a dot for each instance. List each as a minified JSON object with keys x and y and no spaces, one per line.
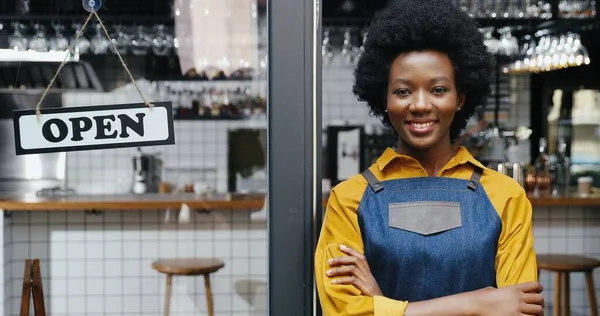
{"x":152,"y":201}
{"x":185,"y":78}
{"x":11,"y":55}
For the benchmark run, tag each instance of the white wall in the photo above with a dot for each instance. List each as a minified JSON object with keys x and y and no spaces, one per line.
{"x":101,"y":264}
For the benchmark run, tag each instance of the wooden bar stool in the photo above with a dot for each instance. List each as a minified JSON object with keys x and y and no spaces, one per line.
{"x":188,"y":267}
{"x":32,"y":289}
{"x":562,"y":266}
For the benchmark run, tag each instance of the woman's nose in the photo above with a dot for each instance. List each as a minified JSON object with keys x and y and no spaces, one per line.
{"x":421,"y":101}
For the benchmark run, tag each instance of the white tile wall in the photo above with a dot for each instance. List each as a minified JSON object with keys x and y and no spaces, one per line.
{"x":100,"y":265}
{"x":199,"y":144}
{"x":568,"y":230}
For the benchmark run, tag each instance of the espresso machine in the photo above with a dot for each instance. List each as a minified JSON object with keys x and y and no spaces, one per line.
{"x":146,"y":172}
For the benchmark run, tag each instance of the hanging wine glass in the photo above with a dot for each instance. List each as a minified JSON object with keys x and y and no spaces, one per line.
{"x":530,"y":59}
{"x":24,"y":7}
{"x":162,"y":42}
{"x":508,"y":43}
{"x":121,"y":40}
{"x":579,"y":54}
{"x":326,"y":49}
{"x":519,"y":9}
{"x":140,"y":42}
{"x":83,"y":44}
{"x":554,"y":53}
{"x":488,"y":40}
{"x":563,"y":60}
{"x":364,"y":33}
{"x":503,"y":9}
{"x":98,"y":43}
{"x":17,"y":40}
{"x":347,"y":47}
{"x":38,"y":41}
{"x":59,"y":42}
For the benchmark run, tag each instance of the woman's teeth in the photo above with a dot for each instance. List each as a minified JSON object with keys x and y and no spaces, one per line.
{"x":422,"y":125}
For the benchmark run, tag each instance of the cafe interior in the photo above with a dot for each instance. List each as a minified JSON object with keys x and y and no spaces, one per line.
{"x":225,"y":220}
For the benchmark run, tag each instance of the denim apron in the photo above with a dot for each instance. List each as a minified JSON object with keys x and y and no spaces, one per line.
{"x":429,"y":237}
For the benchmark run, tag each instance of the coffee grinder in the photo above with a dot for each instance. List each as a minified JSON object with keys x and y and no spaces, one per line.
{"x":146,"y":173}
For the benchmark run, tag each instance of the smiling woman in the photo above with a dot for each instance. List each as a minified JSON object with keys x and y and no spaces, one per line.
{"x":422,"y":101}
{"x":427,"y":229}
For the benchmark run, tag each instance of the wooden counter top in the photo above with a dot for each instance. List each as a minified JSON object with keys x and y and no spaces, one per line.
{"x":246,"y":202}
{"x":233,"y":201}
{"x":573,"y":200}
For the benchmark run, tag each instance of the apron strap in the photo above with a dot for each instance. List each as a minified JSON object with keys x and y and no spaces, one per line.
{"x":373,"y":182}
{"x":475,"y":177}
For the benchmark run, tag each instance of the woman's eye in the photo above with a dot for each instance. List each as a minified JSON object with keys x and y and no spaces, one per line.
{"x":401,"y":92}
{"x":439,"y":90}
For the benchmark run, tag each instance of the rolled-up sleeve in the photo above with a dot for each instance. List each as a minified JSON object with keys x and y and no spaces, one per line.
{"x":515,"y":261}
{"x":340,"y":226}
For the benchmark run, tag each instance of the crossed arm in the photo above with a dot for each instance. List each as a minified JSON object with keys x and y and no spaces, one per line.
{"x":346,"y":286}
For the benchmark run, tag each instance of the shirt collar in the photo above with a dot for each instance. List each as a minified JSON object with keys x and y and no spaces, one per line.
{"x":462,"y":156}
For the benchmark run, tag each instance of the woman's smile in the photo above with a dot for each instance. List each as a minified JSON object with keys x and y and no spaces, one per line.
{"x":421,"y":127}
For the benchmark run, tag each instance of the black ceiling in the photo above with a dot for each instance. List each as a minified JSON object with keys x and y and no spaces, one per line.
{"x":147,"y":10}
{"x":350,"y":9}
{"x":111,"y":7}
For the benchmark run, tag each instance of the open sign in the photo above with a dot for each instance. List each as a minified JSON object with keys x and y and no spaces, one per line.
{"x":93,"y":127}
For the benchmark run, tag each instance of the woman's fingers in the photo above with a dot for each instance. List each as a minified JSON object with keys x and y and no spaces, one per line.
{"x":354,"y":270}
{"x":343,"y":261}
{"x":530,"y":287}
{"x":532,"y":309}
{"x":350,"y":251}
{"x":361,"y":259}
{"x":533,"y":304}
{"x":533,"y":298}
{"x":345,"y":271}
{"x":365,"y":288}
{"x":351,"y":280}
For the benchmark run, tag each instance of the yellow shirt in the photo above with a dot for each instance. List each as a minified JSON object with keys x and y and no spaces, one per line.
{"x":515,"y":257}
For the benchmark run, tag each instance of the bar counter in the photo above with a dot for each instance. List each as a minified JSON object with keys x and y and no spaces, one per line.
{"x":123,"y":202}
{"x":573,"y":200}
{"x":228,"y":201}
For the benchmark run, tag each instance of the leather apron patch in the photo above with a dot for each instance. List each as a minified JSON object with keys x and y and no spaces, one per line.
{"x":425,"y":218}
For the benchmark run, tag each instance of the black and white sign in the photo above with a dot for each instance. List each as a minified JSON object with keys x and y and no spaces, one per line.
{"x":93,"y":127}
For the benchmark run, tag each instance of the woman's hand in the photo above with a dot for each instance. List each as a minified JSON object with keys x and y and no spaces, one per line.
{"x":353,"y":270}
{"x":517,"y":300}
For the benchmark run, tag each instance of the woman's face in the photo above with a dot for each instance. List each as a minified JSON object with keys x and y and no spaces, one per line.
{"x":422,"y":98}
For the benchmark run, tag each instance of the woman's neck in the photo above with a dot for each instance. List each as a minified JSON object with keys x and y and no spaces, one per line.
{"x":432,"y":159}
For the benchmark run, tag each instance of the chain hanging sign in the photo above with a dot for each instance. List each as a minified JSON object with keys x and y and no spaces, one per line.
{"x":93,"y":127}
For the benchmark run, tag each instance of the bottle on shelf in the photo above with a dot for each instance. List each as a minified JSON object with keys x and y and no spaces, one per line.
{"x":562,"y":169}
{"x":530,"y":180}
{"x":542,"y":170}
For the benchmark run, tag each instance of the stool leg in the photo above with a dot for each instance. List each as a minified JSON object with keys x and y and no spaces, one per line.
{"x":566,"y":292}
{"x":207,"y":289}
{"x":591,"y":291}
{"x":168,"y":294}
{"x":557,"y":293}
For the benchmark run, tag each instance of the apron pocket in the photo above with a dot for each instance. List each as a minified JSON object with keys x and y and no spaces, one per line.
{"x":425,"y":217}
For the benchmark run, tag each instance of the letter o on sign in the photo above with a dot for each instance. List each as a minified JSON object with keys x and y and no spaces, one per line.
{"x":63,"y":130}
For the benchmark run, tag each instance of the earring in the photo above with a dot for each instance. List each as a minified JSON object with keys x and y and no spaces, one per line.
{"x":385,"y":110}
{"x":458,"y":109}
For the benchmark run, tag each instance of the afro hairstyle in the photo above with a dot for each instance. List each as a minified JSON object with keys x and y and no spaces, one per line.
{"x":417,"y":25}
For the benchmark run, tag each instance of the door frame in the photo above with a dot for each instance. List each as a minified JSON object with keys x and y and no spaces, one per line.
{"x":294,"y":154}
